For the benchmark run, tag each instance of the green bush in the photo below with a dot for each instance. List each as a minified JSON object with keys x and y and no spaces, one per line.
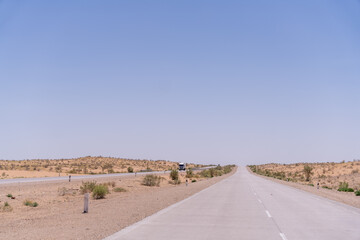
{"x":174,"y":175}
{"x":151,"y":180}
{"x":100,"y":191}
{"x":344,"y":187}
{"x":194,"y":180}
{"x":218,"y":167}
{"x":205,"y":173}
{"x":189,"y":173}
{"x":357,"y":193}
{"x":227,"y":169}
{"x":9,"y":195}
{"x":30,"y":203}
{"x":217,"y":171}
{"x":130,"y":169}
{"x":87,"y":187}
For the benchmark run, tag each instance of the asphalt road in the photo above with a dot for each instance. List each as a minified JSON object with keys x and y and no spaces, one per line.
{"x":245,"y":206}
{"x":66,"y":178}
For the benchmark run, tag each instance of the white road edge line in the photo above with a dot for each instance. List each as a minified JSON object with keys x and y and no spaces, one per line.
{"x":267,"y":213}
{"x":283,"y":236}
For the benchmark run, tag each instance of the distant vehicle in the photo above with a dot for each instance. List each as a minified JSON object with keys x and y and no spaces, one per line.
{"x":182,"y":167}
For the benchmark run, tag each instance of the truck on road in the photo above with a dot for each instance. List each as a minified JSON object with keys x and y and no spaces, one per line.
{"x":182,"y":167}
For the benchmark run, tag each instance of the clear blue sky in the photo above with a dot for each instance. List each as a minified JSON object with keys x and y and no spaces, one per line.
{"x":242,"y":82}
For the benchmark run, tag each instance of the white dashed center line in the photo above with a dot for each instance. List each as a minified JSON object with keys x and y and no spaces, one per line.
{"x":267,"y":212}
{"x":283,"y":236}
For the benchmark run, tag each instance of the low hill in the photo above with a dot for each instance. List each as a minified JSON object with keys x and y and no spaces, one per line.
{"x":83,"y":165}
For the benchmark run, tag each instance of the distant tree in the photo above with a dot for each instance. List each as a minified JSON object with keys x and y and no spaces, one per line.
{"x":308,"y":172}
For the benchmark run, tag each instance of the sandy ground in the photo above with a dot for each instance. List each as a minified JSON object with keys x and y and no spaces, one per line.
{"x":60,"y":216}
{"x":328,"y":174}
{"x":344,"y":197}
{"x":83,"y":165}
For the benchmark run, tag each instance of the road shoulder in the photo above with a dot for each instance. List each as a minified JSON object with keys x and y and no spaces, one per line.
{"x":343,"y":197}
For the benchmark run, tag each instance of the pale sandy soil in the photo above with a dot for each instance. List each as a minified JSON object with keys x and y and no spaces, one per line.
{"x":327,"y":174}
{"x":61,"y":217}
{"x":333,"y":194}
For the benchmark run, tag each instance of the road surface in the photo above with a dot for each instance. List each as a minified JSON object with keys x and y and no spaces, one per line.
{"x":94,"y":176}
{"x":66,"y":178}
{"x":244,"y":206}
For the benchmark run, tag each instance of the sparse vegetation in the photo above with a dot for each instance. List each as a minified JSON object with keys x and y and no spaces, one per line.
{"x":100,"y":191}
{"x":151,"y":180}
{"x":357,"y":193}
{"x":174,"y":175}
{"x":7,"y":207}
{"x":30,"y":203}
{"x":87,"y":187}
{"x":189,"y":173}
{"x":329,"y":174}
{"x":308,"y":172}
{"x":217,"y":171}
{"x":344,"y":187}
{"x":119,"y":189}
{"x":84,"y":165}
{"x":9,"y":195}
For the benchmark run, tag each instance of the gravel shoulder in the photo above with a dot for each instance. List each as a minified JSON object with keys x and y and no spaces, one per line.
{"x":343,"y":197}
{"x":59,"y":215}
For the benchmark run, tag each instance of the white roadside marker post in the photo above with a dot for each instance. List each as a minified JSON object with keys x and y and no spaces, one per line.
{"x":86,"y":203}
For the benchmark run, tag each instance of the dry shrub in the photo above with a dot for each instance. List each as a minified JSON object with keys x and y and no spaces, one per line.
{"x":151,"y":180}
